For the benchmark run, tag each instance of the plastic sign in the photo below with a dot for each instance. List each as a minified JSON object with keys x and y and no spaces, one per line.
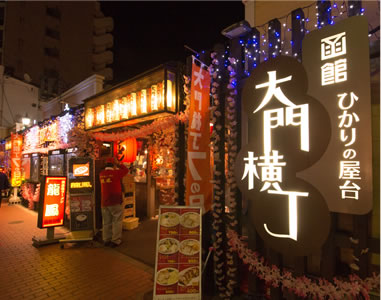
{"x":80,"y":173}
{"x":178,"y":253}
{"x":136,"y":104}
{"x":339,"y":77}
{"x":16,"y":152}
{"x":285,"y":136}
{"x":81,"y":170}
{"x":52,"y":202}
{"x":198,"y":186}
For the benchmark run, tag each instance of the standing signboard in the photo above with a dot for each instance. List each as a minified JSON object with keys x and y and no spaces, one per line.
{"x":16,"y":141}
{"x":198,"y":186}
{"x":178,"y":253}
{"x":81,"y":192}
{"x":52,"y":202}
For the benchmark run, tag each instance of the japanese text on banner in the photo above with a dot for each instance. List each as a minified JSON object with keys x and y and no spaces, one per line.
{"x":198,"y":186}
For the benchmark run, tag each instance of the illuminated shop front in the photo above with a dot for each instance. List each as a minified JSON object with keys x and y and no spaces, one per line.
{"x":133,"y":122}
{"x":46,"y":151}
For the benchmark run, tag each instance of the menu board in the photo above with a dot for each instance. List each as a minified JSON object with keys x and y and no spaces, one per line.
{"x":178,"y":253}
{"x":81,"y":212}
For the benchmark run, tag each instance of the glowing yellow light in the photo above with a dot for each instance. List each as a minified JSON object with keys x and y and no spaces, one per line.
{"x":133,"y":105}
{"x":143,"y":101}
{"x":125,"y":108}
{"x":169,"y":95}
{"x":90,"y":117}
{"x":100,"y":114}
{"x":116,"y":110}
{"x":154,"y":102}
{"x":109,"y":112}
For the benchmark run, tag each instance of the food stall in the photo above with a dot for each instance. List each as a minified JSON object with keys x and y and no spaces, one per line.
{"x":131,"y":110}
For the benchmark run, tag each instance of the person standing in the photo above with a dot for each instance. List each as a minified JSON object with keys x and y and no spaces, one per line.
{"x":4,"y":183}
{"x":111,"y":202}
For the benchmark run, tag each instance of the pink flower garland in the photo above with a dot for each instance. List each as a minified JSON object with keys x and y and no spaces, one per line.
{"x":303,"y":286}
{"x":157,"y":125}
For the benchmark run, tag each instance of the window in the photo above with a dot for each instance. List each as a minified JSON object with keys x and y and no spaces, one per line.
{"x":52,"y":33}
{"x":53,"y":12}
{"x":52,"y":52}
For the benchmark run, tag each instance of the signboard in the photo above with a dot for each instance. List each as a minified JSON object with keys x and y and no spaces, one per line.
{"x":288,"y":132}
{"x":81,"y":212}
{"x":81,"y":170}
{"x":81,"y":188}
{"x":178,"y":253}
{"x":16,"y":149}
{"x":52,"y":202}
{"x":309,"y":139}
{"x":81,"y":178}
{"x":198,"y":186}
{"x":336,"y":59}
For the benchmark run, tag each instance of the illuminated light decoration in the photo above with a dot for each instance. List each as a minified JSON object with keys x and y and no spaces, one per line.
{"x":126,"y":150}
{"x":90,"y":118}
{"x":116,"y":110}
{"x":292,"y":214}
{"x":143,"y":101}
{"x":154,"y":98}
{"x":65,"y":124}
{"x":109,"y":113}
{"x":133,"y":104}
{"x":125,"y":108}
{"x":100,"y":115}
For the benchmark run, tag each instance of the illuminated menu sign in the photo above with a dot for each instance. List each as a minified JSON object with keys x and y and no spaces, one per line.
{"x":81,"y":179}
{"x":81,"y":169}
{"x":16,"y":152}
{"x":149,"y":100}
{"x":336,"y":59}
{"x":178,"y":253}
{"x":52,"y":202}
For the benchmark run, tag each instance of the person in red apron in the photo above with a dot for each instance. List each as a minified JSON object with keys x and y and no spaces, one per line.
{"x":111,"y":202}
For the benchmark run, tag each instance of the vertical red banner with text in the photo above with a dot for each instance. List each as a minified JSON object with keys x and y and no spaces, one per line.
{"x":198,"y":185}
{"x":16,"y":142}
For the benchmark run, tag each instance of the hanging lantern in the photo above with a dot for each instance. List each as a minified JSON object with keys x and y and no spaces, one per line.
{"x":125,"y":151}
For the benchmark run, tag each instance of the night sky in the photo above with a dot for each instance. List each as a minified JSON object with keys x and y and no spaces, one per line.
{"x":147,"y":34}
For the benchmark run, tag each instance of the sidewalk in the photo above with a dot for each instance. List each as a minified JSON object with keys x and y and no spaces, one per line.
{"x":48,"y":272}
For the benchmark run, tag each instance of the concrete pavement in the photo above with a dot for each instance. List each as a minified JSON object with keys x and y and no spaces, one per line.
{"x":82,"y":271}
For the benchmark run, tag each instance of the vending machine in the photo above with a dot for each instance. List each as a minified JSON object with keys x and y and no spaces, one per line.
{"x":56,"y":163}
{"x":35,"y":168}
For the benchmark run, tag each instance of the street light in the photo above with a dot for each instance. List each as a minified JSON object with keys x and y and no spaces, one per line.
{"x":238,"y":29}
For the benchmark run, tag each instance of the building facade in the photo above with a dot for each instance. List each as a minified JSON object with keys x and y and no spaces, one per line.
{"x":37,"y":43}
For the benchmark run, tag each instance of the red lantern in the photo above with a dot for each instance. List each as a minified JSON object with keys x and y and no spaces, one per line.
{"x":126,"y":151}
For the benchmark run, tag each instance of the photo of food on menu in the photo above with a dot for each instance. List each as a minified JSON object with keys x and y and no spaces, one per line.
{"x":178,"y":253}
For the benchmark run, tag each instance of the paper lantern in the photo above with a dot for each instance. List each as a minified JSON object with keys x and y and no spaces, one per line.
{"x":126,"y":151}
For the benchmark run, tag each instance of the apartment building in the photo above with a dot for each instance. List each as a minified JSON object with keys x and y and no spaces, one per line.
{"x":55,"y":45}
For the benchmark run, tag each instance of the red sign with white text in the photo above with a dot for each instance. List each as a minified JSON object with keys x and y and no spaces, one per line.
{"x":52,"y":206}
{"x":198,"y":186}
{"x":16,"y":141}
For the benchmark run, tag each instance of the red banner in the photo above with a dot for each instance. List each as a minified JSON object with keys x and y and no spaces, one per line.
{"x":51,"y":213}
{"x":198,"y":186}
{"x":16,"y":144}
